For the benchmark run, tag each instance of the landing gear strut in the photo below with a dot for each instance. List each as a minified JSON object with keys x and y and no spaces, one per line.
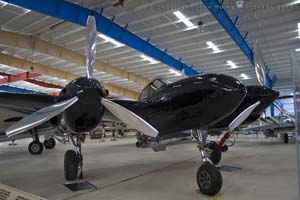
{"x":209,"y":178}
{"x":73,"y":162}
{"x":285,"y":138}
{"x":35,"y":147}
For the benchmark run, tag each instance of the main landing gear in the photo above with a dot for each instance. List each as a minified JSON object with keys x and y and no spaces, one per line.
{"x":36,"y":147}
{"x":209,"y":178}
{"x":73,"y":161}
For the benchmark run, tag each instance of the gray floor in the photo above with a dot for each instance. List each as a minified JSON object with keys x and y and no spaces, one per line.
{"x":121,"y":171}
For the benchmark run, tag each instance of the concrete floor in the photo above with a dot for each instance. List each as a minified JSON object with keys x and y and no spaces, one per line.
{"x":121,"y":171}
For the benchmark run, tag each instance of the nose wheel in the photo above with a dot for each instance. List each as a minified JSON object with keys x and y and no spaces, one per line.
{"x":209,"y":178}
{"x":73,"y":162}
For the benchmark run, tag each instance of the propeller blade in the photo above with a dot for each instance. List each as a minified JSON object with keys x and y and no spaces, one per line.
{"x":286,"y":97}
{"x":259,"y":65}
{"x":129,"y":118}
{"x":90,"y":49}
{"x":242,"y":116}
{"x":289,"y":115}
{"x":39,"y":117}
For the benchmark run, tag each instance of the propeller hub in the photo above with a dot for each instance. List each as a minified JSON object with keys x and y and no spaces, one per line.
{"x":85,"y":114}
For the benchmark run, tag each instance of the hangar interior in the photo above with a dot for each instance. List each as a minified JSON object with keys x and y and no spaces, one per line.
{"x":43,"y":48}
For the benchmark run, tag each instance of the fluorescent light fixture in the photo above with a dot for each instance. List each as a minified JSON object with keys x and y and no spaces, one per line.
{"x":147,"y":58}
{"x":294,"y":2}
{"x":297,"y":49}
{"x":183,"y":19}
{"x":244,"y":76}
{"x":175,"y":72}
{"x":108,"y":39}
{"x":3,"y":3}
{"x":23,"y":9}
{"x":232,"y":64}
{"x":213,"y":47}
{"x":299,"y":29}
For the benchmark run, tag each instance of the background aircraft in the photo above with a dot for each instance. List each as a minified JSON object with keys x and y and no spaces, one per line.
{"x":36,"y":146}
{"x":272,"y":127}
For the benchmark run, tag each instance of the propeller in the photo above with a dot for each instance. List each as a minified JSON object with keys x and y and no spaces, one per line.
{"x":259,"y":65}
{"x":129,"y":118}
{"x":90,"y":50}
{"x":45,"y":114}
{"x":119,"y":111}
{"x":261,"y":77}
{"x":39,"y":117}
{"x":242,"y":116}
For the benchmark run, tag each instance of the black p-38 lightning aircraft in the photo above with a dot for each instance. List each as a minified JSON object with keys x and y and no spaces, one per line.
{"x":193,"y":103}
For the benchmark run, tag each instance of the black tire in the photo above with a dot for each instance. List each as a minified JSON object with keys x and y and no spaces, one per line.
{"x":285,"y":138}
{"x":209,"y":179}
{"x":138,"y":144}
{"x":71,"y":165}
{"x":49,"y":144}
{"x":216,"y":153}
{"x":224,"y":148}
{"x":35,"y":147}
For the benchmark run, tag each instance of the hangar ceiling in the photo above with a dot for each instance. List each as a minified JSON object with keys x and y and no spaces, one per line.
{"x":59,"y":45}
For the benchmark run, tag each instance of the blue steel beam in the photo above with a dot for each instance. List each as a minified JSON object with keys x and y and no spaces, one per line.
{"x":216,"y":8}
{"x":77,"y":14}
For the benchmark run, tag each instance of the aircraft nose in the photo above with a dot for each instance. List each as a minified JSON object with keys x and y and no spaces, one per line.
{"x":263,"y":93}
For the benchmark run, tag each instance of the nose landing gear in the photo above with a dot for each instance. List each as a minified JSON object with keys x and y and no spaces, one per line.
{"x":73,"y":162}
{"x":209,"y":178}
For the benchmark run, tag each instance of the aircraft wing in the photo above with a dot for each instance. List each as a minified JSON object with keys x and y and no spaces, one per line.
{"x":270,"y":126}
{"x":260,"y":128}
{"x":14,"y":106}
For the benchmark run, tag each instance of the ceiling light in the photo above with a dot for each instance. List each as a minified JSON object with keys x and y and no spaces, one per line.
{"x":297,"y":49}
{"x":151,"y":60}
{"x":183,"y":19}
{"x":213,"y":46}
{"x":108,"y":39}
{"x":23,"y":9}
{"x":299,"y":29}
{"x":244,"y":76}
{"x":294,"y":2}
{"x":177,"y":73}
{"x":3,"y":3}
{"x":232,"y":64}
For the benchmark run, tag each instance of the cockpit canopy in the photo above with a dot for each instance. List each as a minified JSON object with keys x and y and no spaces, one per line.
{"x":153,"y":87}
